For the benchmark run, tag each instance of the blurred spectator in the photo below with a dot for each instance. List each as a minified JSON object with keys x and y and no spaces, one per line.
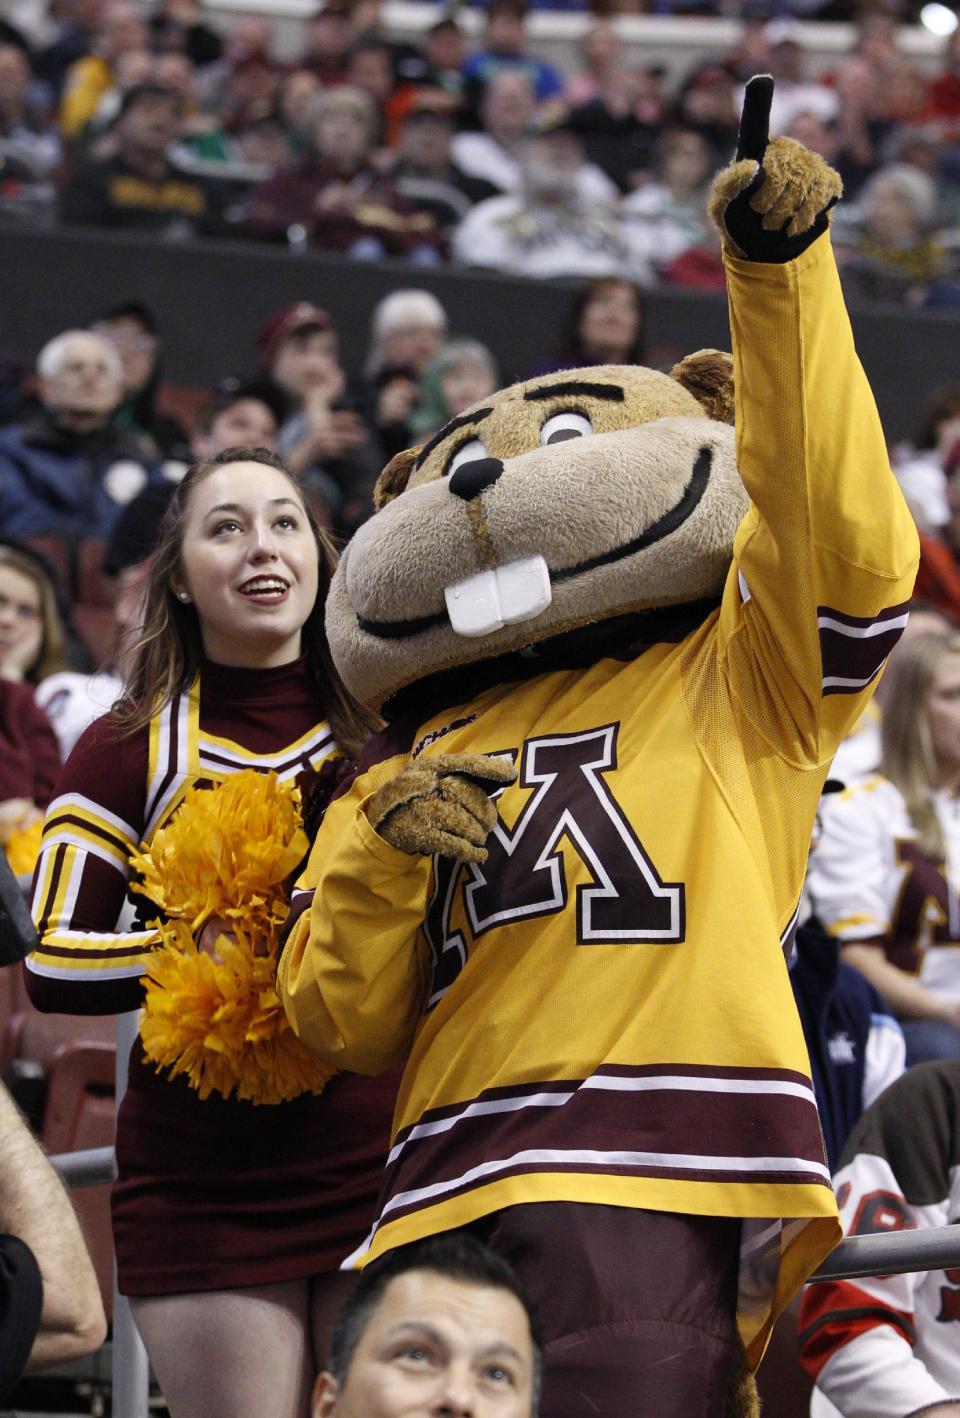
{"x":549,"y":228}
{"x":50,"y":1307}
{"x":120,"y":31}
{"x":296,"y":101}
{"x":504,"y":49}
{"x":605,"y":326}
{"x":602,"y":55}
{"x":407,"y":331}
{"x":368,"y":66}
{"x":463,"y":373}
{"x":943,"y":95}
{"x":424,"y":170}
{"x":31,"y":631}
{"x":20,"y":134}
{"x":326,"y":39}
{"x":444,"y":53}
{"x":95,"y":139}
{"x":75,"y":28}
{"x":708,"y":102}
{"x":878,"y":878}
{"x":335,"y":197}
{"x":246,"y":77}
{"x":140,"y":187}
{"x":323,"y":438}
{"x":509,"y":116}
{"x":885,"y":1346}
{"x":615,"y":137}
{"x":793,"y":93}
{"x":178,"y":26}
{"x":132,"y":330}
{"x":68,"y":469}
{"x":668,"y":215}
{"x":886,"y":247}
{"x":920,"y":466}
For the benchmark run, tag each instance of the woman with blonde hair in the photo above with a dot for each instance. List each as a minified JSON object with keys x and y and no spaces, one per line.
{"x":31,"y":630}
{"x":885,"y":874}
{"x":230,"y":1216}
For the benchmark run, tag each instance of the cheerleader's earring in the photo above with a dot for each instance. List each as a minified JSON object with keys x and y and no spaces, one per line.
{"x":183,"y":595}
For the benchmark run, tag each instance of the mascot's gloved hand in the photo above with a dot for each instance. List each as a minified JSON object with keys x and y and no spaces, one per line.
{"x":774,"y":199}
{"x":440,"y":803}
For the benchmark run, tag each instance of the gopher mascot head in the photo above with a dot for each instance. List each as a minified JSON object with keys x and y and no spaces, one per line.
{"x":558,"y":502}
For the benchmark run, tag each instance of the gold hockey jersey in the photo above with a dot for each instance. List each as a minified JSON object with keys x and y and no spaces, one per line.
{"x":601,"y":1012}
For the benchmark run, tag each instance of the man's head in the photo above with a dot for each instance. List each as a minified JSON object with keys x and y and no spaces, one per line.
{"x":551,"y":160}
{"x":241,"y":415}
{"x":427,"y":132}
{"x":344,"y":126}
{"x":81,"y":379}
{"x":507,"y":105}
{"x":441,"y":1327}
{"x":506,"y":20}
{"x":150,"y":120}
{"x":299,"y":348}
{"x":122,"y":28}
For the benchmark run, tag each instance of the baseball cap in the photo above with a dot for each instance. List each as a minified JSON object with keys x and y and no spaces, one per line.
{"x":291,"y":320}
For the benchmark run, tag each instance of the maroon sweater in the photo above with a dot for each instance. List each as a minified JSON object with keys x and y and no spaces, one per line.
{"x":29,"y":754}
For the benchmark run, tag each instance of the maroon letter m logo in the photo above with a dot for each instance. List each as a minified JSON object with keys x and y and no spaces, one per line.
{"x":524,"y":876}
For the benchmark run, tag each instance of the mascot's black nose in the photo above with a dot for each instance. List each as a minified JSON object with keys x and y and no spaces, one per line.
{"x":475,"y":477}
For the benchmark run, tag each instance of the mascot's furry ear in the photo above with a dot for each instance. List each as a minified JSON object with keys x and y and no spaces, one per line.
{"x":394,"y":477}
{"x":708,"y":376}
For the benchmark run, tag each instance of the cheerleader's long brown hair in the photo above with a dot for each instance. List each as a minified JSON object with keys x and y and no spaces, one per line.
{"x":168,"y":652}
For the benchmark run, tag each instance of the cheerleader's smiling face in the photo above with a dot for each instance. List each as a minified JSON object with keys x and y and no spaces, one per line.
{"x":248,"y":564}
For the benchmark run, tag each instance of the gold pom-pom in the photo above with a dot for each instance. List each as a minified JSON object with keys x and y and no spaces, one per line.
{"x":226,"y":852}
{"x":22,"y":847}
{"x":217,"y":1019}
{"x":219,"y":1022}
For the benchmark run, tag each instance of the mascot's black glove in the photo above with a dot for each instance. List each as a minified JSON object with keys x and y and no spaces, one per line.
{"x":774,"y":199}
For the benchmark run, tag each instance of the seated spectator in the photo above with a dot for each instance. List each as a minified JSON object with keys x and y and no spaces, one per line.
{"x":549,"y":228}
{"x":246,"y":75}
{"x":878,"y":878}
{"x":322,"y":438}
{"x":335,"y":197}
{"x":793,"y":92}
{"x":463,"y":374}
{"x":67,"y":469}
{"x":668,"y":215}
{"x":508,"y":111}
{"x":368,"y":66}
{"x":601,"y":53}
{"x":31,"y":630}
{"x":140,"y":187}
{"x":407,"y":331}
{"x":605,"y":326}
{"x":424,"y":170}
{"x":885,"y":1346}
{"x":444,"y":53}
{"x":886,"y":247}
{"x":708,"y":103}
{"x":132,"y":330}
{"x":177,"y":26}
{"x":616,"y":136}
{"x":504,"y":49}
{"x":296,"y":101}
{"x":120,"y":30}
{"x":20,"y":132}
{"x":50,"y":1307}
{"x":440,"y":1327}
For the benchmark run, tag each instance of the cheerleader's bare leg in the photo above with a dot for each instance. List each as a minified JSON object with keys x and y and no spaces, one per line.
{"x":231,"y":1353}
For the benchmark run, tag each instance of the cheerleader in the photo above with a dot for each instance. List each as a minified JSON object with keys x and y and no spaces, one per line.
{"x":230,"y":1218}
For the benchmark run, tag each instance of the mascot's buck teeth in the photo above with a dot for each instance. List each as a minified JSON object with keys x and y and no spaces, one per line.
{"x":487,"y":601}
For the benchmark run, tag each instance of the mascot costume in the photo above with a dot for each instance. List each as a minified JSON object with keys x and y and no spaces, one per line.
{"x":617,"y":623}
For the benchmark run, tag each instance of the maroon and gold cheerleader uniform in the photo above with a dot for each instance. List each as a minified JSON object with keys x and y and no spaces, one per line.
{"x":217,"y":1193}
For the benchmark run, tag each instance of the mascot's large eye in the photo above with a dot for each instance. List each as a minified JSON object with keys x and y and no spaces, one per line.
{"x":560,"y":427}
{"x":466,"y":453}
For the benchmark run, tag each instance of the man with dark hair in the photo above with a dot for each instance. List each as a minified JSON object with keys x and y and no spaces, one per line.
{"x":441,"y":1326}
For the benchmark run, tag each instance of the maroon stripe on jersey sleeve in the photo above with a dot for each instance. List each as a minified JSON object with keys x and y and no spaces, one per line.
{"x":94,"y":997}
{"x":853,"y":649}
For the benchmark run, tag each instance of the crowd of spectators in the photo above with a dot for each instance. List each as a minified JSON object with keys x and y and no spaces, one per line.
{"x":473,"y":151}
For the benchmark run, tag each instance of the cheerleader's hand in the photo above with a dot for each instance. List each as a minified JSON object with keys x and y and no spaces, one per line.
{"x":774,"y":199}
{"x":440,"y":803}
{"x":215,"y":927}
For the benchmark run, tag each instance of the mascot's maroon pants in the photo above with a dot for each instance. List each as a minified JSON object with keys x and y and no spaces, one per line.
{"x":637,"y":1308}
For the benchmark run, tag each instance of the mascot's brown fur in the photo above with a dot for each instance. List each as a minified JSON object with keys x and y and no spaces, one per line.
{"x":584,"y":514}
